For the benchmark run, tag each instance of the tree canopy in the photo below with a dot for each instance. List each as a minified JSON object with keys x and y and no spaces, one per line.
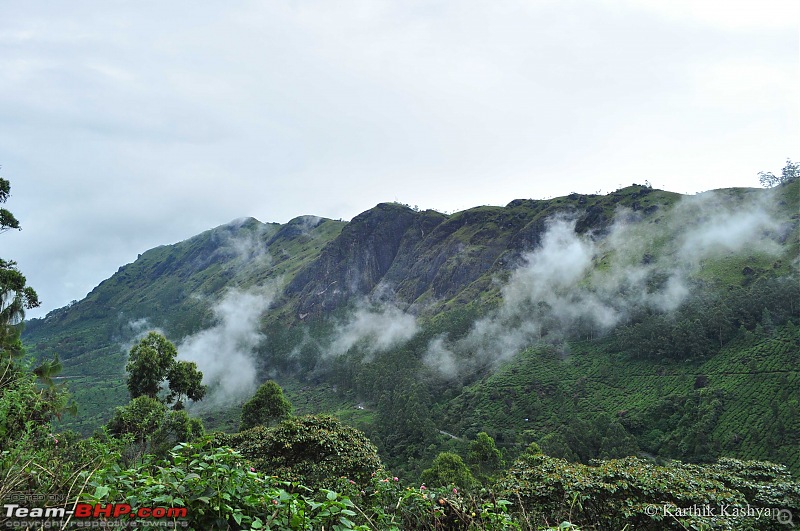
{"x":484,"y":455}
{"x":267,"y":405}
{"x":7,"y":219}
{"x":790,"y":173}
{"x":153,"y":361}
{"x":448,"y":469}
{"x":25,"y":407}
{"x":315,"y":449}
{"x":15,"y":295}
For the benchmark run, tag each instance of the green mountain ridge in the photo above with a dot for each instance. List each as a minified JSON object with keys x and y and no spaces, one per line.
{"x":652,"y":320}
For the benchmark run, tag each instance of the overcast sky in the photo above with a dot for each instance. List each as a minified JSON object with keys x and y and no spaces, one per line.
{"x":127,"y":125}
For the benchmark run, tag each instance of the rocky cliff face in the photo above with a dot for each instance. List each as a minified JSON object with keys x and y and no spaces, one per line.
{"x":358,"y":259}
{"x":466,"y":290}
{"x":422,"y":260}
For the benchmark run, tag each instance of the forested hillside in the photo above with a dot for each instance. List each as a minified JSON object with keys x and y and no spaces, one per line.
{"x":560,"y":312}
{"x":639,"y":323}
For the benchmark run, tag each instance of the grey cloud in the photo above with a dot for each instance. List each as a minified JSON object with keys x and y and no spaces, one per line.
{"x":226,"y":352}
{"x":375,"y":328}
{"x":130,"y":127}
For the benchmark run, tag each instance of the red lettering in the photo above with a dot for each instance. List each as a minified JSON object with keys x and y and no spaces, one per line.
{"x":121,"y":509}
{"x":103,"y":510}
{"x":144,"y":512}
{"x":177,"y":512}
{"x":159,"y":512}
{"x":82,"y":510}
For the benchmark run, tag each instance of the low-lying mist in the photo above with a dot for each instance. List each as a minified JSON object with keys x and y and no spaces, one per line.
{"x":374,"y":328}
{"x":586,"y":285}
{"x":226,"y":352}
{"x":571,"y":285}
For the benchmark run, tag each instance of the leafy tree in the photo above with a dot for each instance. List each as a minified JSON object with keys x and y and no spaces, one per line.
{"x":185,"y":382}
{"x":15,"y":295}
{"x":484,"y":455}
{"x":554,"y":444}
{"x":26,"y":408}
{"x":267,"y":405}
{"x":790,"y":173}
{"x":448,"y":469}
{"x":48,"y":370}
{"x":152,"y":362}
{"x":141,"y":417}
{"x":147,"y":366}
{"x":7,"y":219}
{"x":532,"y":450}
{"x":152,"y":427}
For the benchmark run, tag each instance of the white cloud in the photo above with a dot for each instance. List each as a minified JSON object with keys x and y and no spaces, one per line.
{"x":375,"y":328}
{"x":130,"y":126}
{"x":226,"y":352}
{"x":728,"y":14}
{"x":579,"y":285}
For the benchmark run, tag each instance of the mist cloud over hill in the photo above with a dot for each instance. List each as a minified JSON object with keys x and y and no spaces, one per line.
{"x":575,"y":284}
{"x":427,"y":316}
{"x":226,"y":352}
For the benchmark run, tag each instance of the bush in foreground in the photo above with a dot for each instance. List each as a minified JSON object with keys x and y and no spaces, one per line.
{"x":314,"y":450}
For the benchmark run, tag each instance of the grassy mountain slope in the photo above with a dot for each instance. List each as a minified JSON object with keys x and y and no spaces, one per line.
{"x":636,"y":322}
{"x":748,"y":390}
{"x":171,"y":288}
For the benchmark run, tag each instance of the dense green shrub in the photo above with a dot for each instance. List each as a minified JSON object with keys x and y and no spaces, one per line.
{"x":314,"y":450}
{"x":153,"y":428}
{"x":220,"y":491}
{"x":638,"y":494}
{"x":448,"y":469}
{"x":386,"y":504}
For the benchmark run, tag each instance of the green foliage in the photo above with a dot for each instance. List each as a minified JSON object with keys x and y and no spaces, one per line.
{"x":185,"y":382}
{"x":315,"y":450}
{"x":220,"y":491}
{"x":485,"y":456}
{"x":789,"y":174}
{"x":7,"y":219}
{"x":386,"y":504}
{"x":152,"y":427}
{"x":267,"y":405}
{"x":637,"y":494}
{"x":52,"y":466}
{"x":25,"y":411}
{"x":602,"y":437}
{"x":448,"y":469}
{"x":597,"y":403}
{"x":15,"y":295}
{"x":555,"y":444}
{"x":680,"y":426}
{"x":711,"y":319}
{"x":152,"y":361}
